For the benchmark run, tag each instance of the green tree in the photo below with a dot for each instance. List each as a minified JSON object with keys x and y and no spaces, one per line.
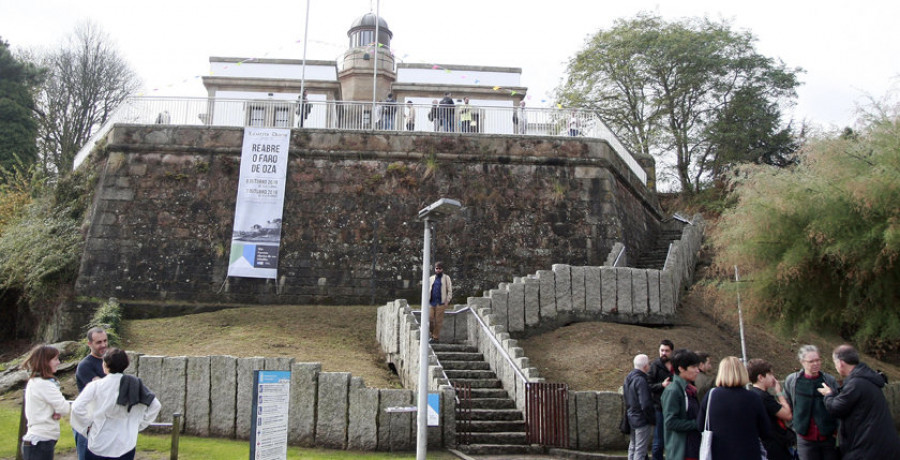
{"x":87,"y":80}
{"x":821,"y":241}
{"x":663,"y":86}
{"x":18,"y":128}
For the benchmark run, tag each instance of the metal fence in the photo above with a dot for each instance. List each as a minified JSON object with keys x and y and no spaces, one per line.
{"x":361,"y":116}
{"x":547,"y":413}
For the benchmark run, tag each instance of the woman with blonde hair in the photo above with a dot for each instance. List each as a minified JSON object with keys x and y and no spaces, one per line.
{"x":44,"y":404}
{"x":737,"y":417}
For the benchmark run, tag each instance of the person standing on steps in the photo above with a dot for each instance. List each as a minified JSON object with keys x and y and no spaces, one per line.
{"x":441,"y":293}
{"x":89,"y":369}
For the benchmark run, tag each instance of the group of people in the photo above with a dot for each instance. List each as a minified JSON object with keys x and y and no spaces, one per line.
{"x":673,"y":399}
{"x":110,"y":409}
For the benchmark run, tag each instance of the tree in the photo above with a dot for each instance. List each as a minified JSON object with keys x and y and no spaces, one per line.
{"x":664,"y":85}
{"x":18,"y":129}
{"x":87,"y":80}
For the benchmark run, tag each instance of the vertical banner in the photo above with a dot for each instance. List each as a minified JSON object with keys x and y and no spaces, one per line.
{"x":256,"y":236}
{"x":269,"y":428}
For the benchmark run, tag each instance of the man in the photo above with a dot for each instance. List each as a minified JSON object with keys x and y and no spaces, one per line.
{"x":89,"y":369}
{"x":410,"y":116}
{"x":867,"y":429}
{"x":447,"y":113}
{"x":303,"y":108}
{"x":779,"y":440}
{"x":660,"y":377}
{"x":390,"y":112}
{"x":705,"y":379}
{"x":465,"y":116}
{"x":441,"y":293}
{"x":815,"y":427}
{"x":520,"y":119}
{"x":680,"y":407}
{"x":639,"y":408}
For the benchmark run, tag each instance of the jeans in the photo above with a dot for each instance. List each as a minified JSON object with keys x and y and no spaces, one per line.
{"x":640,"y":441}
{"x":659,"y":444}
{"x":817,"y":450}
{"x":80,"y":444}
{"x":43,"y":450}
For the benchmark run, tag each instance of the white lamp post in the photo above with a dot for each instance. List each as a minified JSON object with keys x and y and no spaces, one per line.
{"x":435,"y":211}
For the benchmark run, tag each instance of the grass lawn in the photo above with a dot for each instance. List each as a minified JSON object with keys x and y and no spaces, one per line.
{"x":156,"y":446}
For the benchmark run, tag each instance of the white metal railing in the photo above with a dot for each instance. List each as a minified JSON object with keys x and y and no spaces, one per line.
{"x":359,"y":116}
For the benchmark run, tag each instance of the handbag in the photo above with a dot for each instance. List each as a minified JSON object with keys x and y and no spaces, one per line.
{"x":707,"y":435}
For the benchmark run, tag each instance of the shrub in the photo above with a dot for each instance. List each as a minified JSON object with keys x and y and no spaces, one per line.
{"x":821,"y":241}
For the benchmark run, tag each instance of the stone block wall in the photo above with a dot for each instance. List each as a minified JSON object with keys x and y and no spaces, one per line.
{"x":163,"y":212}
{"x":327,"y":409}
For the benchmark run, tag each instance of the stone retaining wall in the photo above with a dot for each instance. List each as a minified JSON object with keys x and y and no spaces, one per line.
{"x":327,"y":409}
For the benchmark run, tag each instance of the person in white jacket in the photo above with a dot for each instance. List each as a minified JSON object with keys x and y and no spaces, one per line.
{"x":109,"y":412}
{"x":44,"y":404}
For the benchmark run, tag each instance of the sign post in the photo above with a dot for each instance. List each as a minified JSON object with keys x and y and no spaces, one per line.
{"x":269,"y":429}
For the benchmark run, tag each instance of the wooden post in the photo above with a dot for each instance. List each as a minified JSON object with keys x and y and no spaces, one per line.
{"x":176,"y":432}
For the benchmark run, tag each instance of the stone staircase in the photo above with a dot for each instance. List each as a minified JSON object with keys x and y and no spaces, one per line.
{"x":655,"y":257}
{"x":496,"y":426}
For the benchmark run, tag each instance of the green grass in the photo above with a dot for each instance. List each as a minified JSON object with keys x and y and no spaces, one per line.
{"x":189,"y":447}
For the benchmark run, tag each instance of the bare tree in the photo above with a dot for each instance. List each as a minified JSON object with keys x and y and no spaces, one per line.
{"x":87,"y":79}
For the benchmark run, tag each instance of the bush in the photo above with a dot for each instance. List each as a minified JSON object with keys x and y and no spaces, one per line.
{"x":821,"y":241}
{"x":109,"y":317}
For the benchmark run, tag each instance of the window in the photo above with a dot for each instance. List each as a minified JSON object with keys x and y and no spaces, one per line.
{"x":257,"y":115}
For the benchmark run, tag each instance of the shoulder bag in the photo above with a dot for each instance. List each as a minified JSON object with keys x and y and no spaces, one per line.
{"x":707,"y":435}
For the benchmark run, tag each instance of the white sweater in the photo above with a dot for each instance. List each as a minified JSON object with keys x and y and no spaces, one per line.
{"x":110,"y":429}
{"x":42,"y":400}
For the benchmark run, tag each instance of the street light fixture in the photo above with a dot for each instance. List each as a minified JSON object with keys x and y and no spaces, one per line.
{"x":435,"y":211}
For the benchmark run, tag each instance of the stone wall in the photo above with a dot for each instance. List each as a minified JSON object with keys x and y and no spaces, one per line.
{"x":163,"y":212}
{"x":327,"y":409}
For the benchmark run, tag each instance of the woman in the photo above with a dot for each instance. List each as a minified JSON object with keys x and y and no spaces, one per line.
{"x":111,"y":411}
{"x":44,"y":404}
{"x":680,"y":407}
{"x":736,"y":416}
{"x":763,"y":379}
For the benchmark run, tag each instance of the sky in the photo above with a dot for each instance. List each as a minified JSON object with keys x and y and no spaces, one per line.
{"x":848,"y":50}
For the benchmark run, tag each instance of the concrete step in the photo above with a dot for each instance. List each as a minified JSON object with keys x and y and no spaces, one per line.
{"x":457,"y":347}
{"x":496,"y":414}
{"x":465,"y":365}
{"x":497,"y":425}
{"x":481,"y":393}
{"x":458,"y":356}
{"x":493,"y":403}
{"x":463,"y":374}
{"x":505,"y":438}
{"x":500,"y":449}
{"x":479,"y":383}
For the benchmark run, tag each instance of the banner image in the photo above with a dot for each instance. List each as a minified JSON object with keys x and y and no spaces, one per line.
{"x":256,"y":235}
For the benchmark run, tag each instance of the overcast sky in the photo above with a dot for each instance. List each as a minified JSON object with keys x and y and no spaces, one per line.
{"x":848,"y":49}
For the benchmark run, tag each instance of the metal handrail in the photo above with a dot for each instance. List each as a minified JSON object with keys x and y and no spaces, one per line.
{"x":497,"y":344}
{"x":358,"y":116}
{"x":619,"y":256}
{"x":431,"y":350}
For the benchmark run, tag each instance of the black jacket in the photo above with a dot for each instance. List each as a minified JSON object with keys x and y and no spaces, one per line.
{"x":658,"y":373}
{"x":638,"y":404}
{"x":867,"y":430}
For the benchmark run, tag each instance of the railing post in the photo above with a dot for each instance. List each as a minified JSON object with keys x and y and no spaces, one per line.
{"x":176,"y":432}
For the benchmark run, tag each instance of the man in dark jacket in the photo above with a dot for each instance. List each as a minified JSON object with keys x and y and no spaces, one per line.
{"x":447,"y":113}
{"x":867,"y":429}
{"x":659,"y":378}
{"x":639,"y":408}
